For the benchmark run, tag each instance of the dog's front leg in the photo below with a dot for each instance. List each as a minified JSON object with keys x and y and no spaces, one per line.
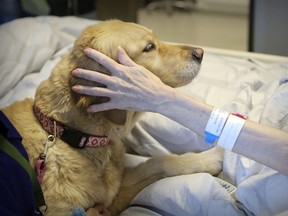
{"x":137,"y":178}
{"x":210,"y":161}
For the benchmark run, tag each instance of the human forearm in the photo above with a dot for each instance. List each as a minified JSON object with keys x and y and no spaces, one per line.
{"x":184,"y":109}
{"x":261,"y":143}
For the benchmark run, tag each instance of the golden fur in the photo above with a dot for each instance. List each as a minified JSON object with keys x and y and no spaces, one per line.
{"x":92,"y":176}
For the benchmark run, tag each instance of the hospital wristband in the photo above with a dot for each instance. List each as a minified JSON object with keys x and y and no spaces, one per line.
{"x":231,"y":131}
{"x":215,"y":124}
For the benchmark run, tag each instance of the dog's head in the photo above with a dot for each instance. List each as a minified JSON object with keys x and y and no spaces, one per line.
{"x":175,"y":65}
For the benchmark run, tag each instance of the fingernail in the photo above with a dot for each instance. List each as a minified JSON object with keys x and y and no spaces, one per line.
{"x":89,"y":109}
{"x":87,"y":50}
{"x":76,"y":73}
{"x":121,"y":50}
{"x":76,"y":87}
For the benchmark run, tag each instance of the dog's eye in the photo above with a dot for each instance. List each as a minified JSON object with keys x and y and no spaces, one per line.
{"x":149,"y":47}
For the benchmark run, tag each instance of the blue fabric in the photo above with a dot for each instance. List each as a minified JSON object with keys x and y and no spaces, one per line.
{"x":78,"y":211}
{"x":16,"y":191}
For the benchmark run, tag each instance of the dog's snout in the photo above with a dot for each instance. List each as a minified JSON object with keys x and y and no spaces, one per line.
{"x":197,"y":54}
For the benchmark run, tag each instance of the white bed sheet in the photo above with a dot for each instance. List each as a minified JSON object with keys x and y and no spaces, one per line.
{"x":251,"y":84}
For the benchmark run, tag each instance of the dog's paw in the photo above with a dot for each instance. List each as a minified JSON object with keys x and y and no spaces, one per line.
{"x":212,"y":159}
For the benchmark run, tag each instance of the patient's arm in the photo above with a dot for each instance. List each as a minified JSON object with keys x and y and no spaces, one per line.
{"x":263,"y":144}
{"x":266,"y":145}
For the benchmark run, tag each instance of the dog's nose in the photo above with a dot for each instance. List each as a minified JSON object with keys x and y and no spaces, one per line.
{"x":197,"y":54}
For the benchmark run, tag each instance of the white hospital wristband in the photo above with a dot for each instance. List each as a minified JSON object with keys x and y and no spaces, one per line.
{"x":215,"y":124}
{"x":231,"y":132}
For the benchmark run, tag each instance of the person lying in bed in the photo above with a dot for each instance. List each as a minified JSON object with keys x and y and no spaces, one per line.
{"x":134,"y":87}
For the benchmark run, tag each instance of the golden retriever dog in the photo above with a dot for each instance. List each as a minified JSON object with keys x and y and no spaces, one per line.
{"x":85,"y":155}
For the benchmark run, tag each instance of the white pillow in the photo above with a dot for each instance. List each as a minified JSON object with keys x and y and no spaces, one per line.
{"x":26,"y":44}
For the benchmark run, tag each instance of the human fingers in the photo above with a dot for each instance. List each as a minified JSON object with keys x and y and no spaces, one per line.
{"x":93,"y":212}
{"x":93,"y":91}
{"x":102,"y":107}
{"x":92,"y":76}
{"x":102,"y":210}
{"x":102,"y":59}
{"x":97,"y":91}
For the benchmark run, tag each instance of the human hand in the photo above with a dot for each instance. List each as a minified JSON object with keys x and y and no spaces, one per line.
{"x":98,"y":210}
{"x":130,"y":86}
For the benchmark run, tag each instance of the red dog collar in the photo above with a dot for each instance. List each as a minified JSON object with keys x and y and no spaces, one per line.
{"x":74,"y":138}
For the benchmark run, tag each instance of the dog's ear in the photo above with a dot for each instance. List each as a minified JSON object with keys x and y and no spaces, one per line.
{"x":115,"y":116}
{"x":87,"y":39}
{"x":84,"y":101}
